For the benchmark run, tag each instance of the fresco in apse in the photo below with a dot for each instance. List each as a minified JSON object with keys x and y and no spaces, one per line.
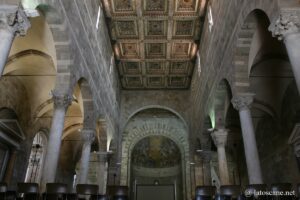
{"x":156,"y":152}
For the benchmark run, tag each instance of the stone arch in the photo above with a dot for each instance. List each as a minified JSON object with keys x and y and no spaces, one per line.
{"x":156,"y":106}
{"x":221,"y":102}
{"x":57,"y":22}
{"x":178,"y":135}
{"x":246,"y":28}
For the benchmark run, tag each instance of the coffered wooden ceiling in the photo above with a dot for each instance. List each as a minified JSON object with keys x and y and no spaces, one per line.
{"x":155,"y":41}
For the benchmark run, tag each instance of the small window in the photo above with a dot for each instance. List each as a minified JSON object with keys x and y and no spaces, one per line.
{"x":36,"y":159}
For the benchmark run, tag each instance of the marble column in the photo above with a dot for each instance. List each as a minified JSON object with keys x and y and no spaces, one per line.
{"x":13,"y":22}
{"x":88,"y":136}
{"x":287,"y":28}
{"x":61,"y":104}
{"x":102,"y":171}
{"x":219,"y":137}
{"x":242,"y":103}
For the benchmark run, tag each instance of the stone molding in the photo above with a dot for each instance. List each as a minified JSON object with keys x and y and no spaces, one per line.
{"x":88,"y":135}
{"x":288,"y":22}
{"x":14,"y":20}
{"x":242,"y":102}
{"x":61,"y":100}
{"x":219,"y":137}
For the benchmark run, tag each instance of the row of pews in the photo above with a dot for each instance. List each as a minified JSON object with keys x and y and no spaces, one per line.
{"x":59,"y":191}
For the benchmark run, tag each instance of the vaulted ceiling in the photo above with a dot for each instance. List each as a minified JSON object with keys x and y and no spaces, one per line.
{"x":155,"y":41}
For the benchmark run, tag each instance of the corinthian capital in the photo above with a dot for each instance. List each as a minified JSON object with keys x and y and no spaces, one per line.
{"x":219,"y":137}
{"x":88,"y":135}
{"x":14,"y":20}
{"x":242,"y":102}
{"x":288,"y":22}
{"x":61,"y":100}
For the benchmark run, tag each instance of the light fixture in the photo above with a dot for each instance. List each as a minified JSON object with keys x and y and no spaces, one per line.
{"x":199,"y":150}
{"x":192,"y":163}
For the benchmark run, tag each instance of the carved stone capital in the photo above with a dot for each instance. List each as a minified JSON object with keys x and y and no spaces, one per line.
{"x":88,"y":135}
{"x":242,"y":102}
{"x":219,"y":137}
{"x":61,"y":100}
{"x":15,"y":21}
{"x":288,"y":22}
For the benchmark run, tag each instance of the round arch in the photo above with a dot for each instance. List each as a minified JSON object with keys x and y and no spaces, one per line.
{"x":57,"y":22}
{"x":176,"y":134}
{"x":246,"y":28}
{"x":155,"y":106}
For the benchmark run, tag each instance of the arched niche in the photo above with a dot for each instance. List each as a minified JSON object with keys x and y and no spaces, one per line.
{"x":156,"y":122}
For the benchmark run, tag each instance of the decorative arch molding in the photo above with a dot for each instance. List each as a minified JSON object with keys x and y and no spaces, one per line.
{"x":244,"y":33}
{"x":157,"y":128}
{"x":129,"y":116}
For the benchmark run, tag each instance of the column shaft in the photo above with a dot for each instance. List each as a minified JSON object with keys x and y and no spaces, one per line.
{"x":10,"y":167}
{"x":102,"y":176}
{"x":292,"y":43}
{"x":220,"y":139}
{"x":84,"y":163}
{"x":13,"y":22}
{"x":6,"y":40}
{"x":207,"y":173}
{"x":88,"y":136}
{"x":223,"y":168}
{"x":53,"y":148}
{"x":251,"y":153}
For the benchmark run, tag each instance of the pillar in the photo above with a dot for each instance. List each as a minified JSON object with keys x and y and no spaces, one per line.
{"x":219,"y":137}
{"x":287,"y":28}
{"x":10,"y":167}
{"x":242,"y":103}
{"x":102,"y":171}
{"x":13,"y":22}
{"x":88,"y":136}
{"x":206,"y":159}
{"x":61,"y":104}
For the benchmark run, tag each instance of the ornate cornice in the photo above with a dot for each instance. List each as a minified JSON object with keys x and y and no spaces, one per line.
{"x":61,"y":100}
{"x":242,"y":102}
{"x":219,"y":137}
{"x":288,"y":22}
{"x":88,"y":135}
{"x":15,"y":21}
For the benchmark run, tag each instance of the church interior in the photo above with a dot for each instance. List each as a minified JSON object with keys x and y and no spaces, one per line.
{"x":149,"y":99}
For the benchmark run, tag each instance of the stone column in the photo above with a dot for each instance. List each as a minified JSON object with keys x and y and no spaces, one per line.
{"x":219,"y":137}
{"x":13,"y":22}
{"x":206,"y":158}
{"x":242,"y":104}
{"x":61,"y":104}
{"x":88,"y":136}
{"x":287,"y":28}
{"x":10,"y":167}
{"x":102,"y":171}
